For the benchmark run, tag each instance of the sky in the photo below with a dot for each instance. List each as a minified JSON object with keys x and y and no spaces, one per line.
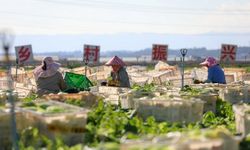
{"x":111,"y":17}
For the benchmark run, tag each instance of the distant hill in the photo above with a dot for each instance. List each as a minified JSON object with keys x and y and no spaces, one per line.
{"x":197,"y":52}
{"x":242,"y":53}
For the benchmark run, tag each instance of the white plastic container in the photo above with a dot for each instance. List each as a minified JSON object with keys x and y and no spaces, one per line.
{"x":236,"y":94}
{"x":175,"y":110}
{"x":185,"y":141}
{"x":109,"y":90}
{"x":69,"y":125}
{"x":242,"y":118}
{"x":5,"y":128}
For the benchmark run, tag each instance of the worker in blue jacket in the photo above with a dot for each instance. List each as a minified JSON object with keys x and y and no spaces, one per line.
{"x":215,"y":72}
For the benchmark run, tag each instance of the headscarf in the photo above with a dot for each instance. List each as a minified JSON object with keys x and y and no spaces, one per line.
{"x":115,"y":61}
{"x":47,"y":69}
{"x":209,"y":61}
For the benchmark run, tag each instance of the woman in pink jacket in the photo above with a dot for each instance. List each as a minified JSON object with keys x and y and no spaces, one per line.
{"x":48,"y":78}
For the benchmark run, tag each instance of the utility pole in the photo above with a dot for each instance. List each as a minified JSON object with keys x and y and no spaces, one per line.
{"x":6,"y":41}
{"x":183,"y":54}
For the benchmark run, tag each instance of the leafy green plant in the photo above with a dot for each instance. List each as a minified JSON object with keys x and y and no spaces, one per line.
{"x":248,"y":69}
{"x":74,"y":65}
{"x":45,"y":108}
{"x":245,"y":143}
{"x":105,"y":124}
{"x":76,"y":102}
{"x":32,"y":139}
{"x":150,"y":67}
{"x":30,"y":98}
{"x":224,"y":116}
{"x":145,"y":90}
{"x":190,"y":91}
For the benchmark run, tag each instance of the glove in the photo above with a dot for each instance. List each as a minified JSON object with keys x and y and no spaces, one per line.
{"x":197,"y":81}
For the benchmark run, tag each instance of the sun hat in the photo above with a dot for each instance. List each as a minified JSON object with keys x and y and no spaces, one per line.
{"x":209,"y":61}
{"x":115,"y":61}
{"x":51,"y":68}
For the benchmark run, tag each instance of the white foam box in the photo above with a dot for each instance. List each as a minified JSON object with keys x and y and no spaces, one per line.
{"x":138,"y":78}
{"x":162,"y":77}
{"x":171,"y":110}
{"x":230,"y":77}
{"x":4,"y":95}
{"x":109,"y":90}
{"x":215,"y":86}
{"x":127,"y":100}
{"x":23,"y":92}
{"x":5,"y":126}
{"x":144,"y":145}
{"x":235,"y":94}
{"x":89,"y":98}
{"x":246,"y":77}
{"x":239,"y":72}
{"x":184,"y":141}
{"x":4,"y":83}
{"x":69,"y":125}
{"x":223,"y":141}
{"x":92,"y":77}
{"x":177,"y":81}
{"x":242,"y":118}
{"x":208,"y":99}
{"x":112,"y":99}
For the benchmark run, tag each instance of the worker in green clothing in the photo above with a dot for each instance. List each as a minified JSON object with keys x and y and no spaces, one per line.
{"x":119,"y":74}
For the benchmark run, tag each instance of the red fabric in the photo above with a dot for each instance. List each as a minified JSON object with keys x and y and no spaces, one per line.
{"x":210,"y":61}
{"x":115,"y":61}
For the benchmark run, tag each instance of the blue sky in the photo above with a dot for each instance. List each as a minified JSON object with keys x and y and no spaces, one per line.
{"x":53,"y":25}
{"x":119,"y":16}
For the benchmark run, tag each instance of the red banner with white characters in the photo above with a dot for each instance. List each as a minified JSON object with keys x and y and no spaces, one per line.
{"x":24,"y":54}
{"x":91,"y":53}
{"x":160,"y":52}
{"x":228,"y":53}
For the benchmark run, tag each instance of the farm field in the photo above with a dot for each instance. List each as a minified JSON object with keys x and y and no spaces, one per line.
{"x":155,"y":113}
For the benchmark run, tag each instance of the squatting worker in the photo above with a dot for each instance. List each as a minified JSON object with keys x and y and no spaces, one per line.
{"x":48,"y":78}
{"x":119,"y":72}
{"x":215,"y":73}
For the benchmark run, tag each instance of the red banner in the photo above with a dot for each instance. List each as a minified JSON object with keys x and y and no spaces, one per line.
{"x":160,"y":52}
{"x":24,"y":53}
{"x":228,"y":53}
{"x":91,"y":53}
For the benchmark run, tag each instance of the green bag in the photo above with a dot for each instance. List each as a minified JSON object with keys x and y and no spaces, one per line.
{"x":76,"y":82}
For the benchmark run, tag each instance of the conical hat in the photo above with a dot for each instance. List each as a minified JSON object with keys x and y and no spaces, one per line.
{"x":115,"y":61}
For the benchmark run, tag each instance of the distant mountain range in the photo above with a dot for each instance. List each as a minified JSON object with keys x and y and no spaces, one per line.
{"x":132,"y":44}
{"x":195,"y":52}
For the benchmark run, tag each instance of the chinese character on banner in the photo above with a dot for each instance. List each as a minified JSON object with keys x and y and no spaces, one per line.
{"x":160,"y":52}
{"x":91,"y":53}
{"x":24,"y":54}
{"x":228,"y":53}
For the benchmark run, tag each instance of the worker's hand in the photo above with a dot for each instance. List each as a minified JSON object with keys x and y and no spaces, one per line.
{"x":197,"y":81}
{"x":113,"y":83}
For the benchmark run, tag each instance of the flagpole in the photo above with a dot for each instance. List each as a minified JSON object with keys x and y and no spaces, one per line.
{"x":86,"y":66}
{"x":6,"y":42}
{"x":16,"y":67}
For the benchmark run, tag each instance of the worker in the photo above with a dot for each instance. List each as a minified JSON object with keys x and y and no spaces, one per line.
{"x":48,"y":78}
{"x":215,"y":72}
{"x":118,"y":73}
